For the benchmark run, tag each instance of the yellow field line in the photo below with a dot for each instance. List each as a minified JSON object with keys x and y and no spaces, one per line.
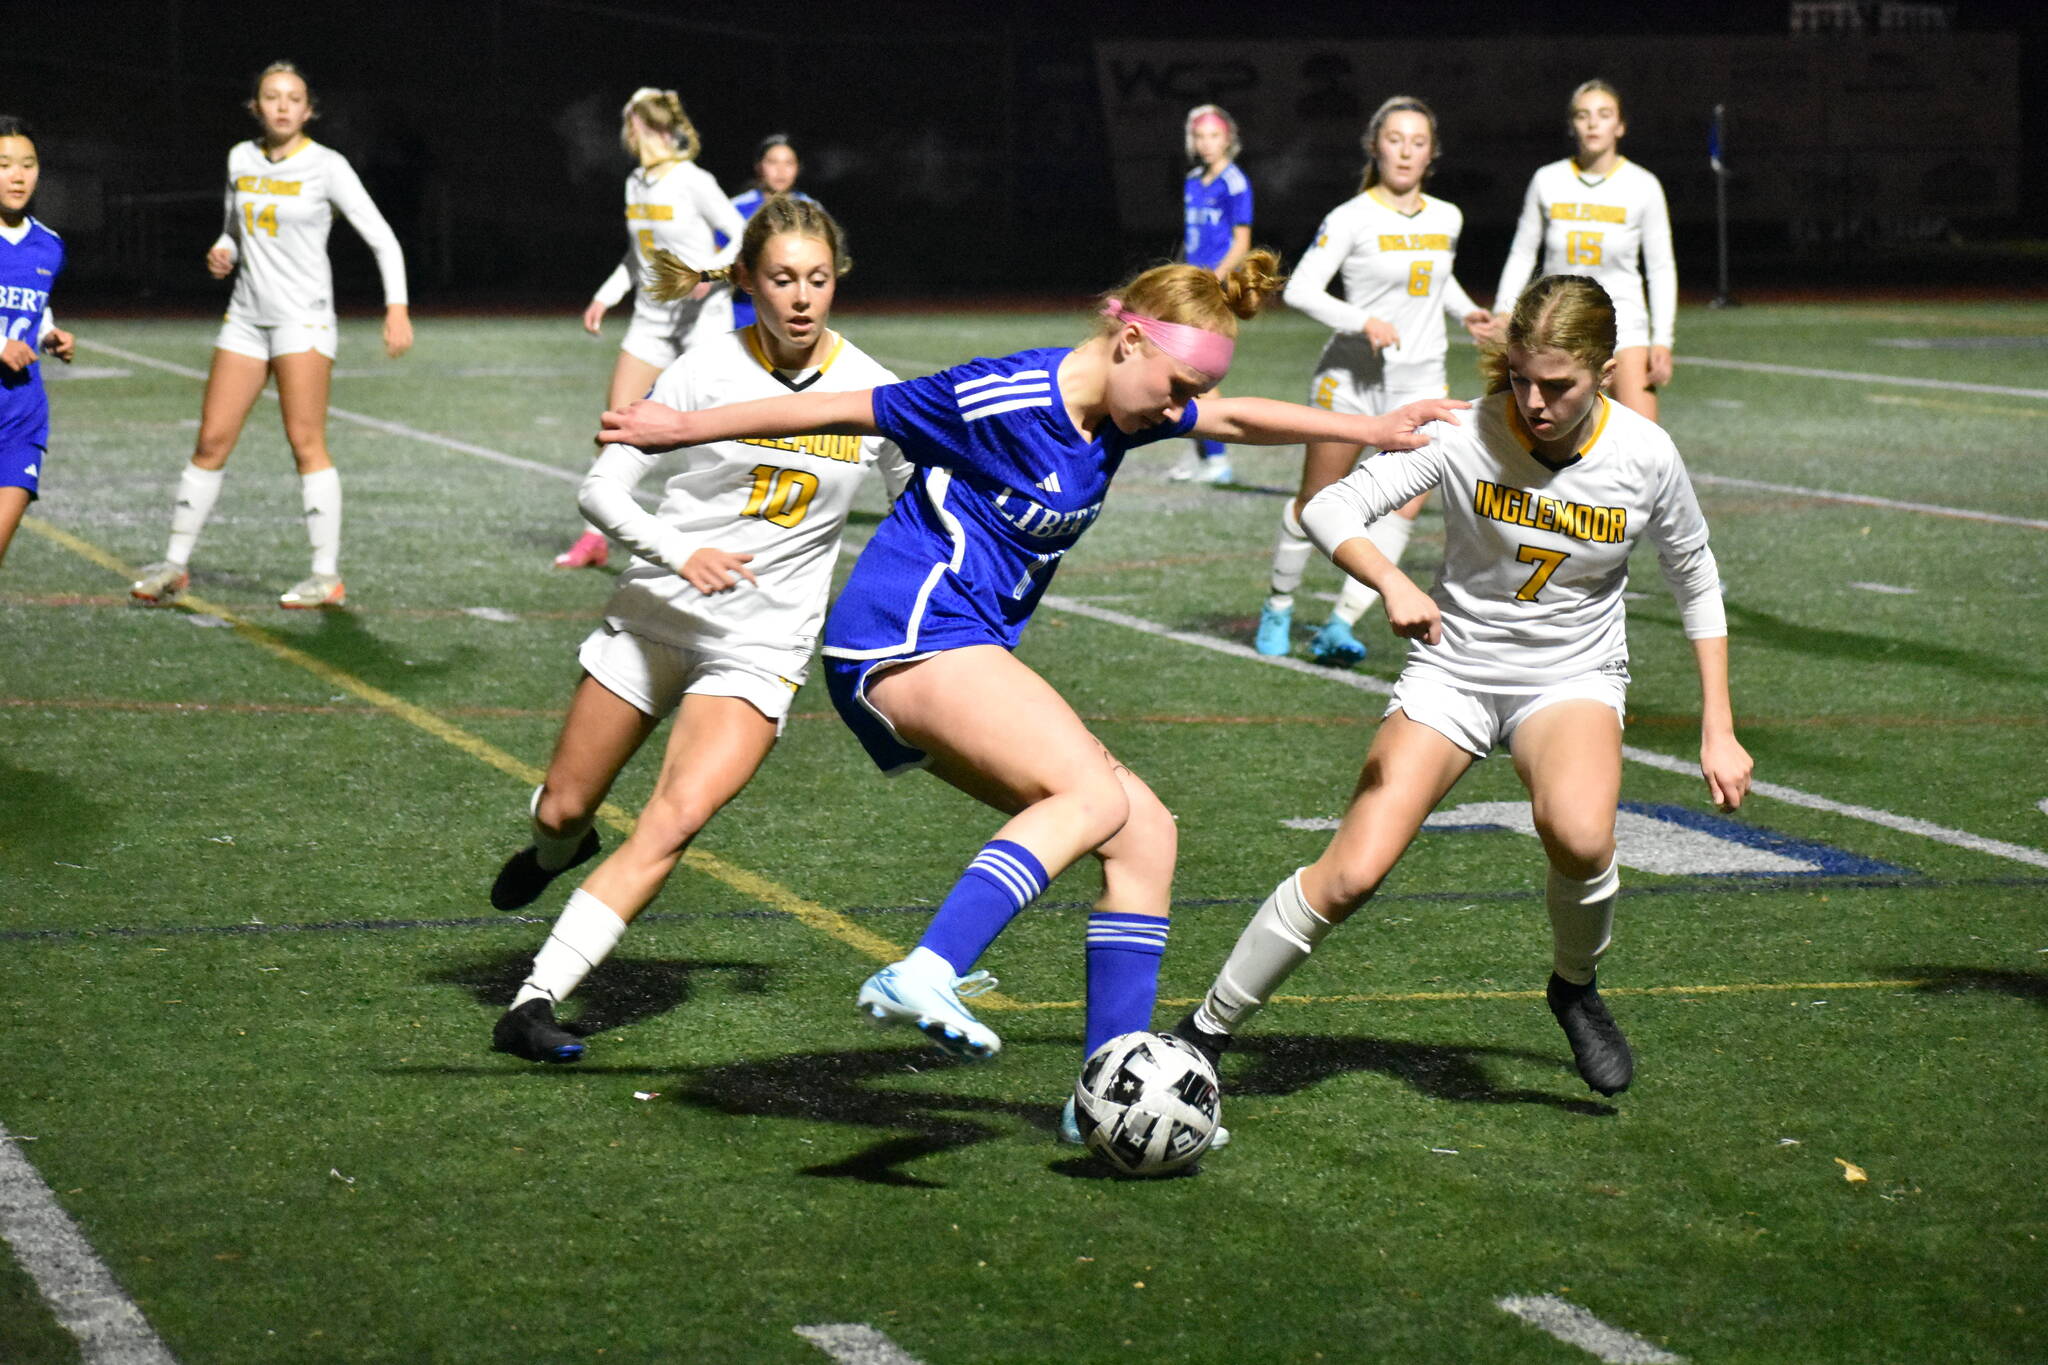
{"x":813,"y":915}
{"x":1441,"y":997}
{"x":1900,"y":400}
{"x":775,"y":896}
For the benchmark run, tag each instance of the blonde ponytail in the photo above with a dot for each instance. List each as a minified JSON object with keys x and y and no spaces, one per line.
{"x":1253,"y":282}
{"x":1194,"y":297}
{"x":673,"y":279}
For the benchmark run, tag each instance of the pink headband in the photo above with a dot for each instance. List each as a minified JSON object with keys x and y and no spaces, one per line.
{"x":1216,"y":119}
{"x":1206,"y":352}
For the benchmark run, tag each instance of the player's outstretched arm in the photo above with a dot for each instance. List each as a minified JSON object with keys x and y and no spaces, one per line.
{"x":1724,"y":763}
{"x":651,"y":426}
{"x":1270,"y":422}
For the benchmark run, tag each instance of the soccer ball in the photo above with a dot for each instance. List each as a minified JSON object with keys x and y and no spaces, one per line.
{"x":1147,"y":1103}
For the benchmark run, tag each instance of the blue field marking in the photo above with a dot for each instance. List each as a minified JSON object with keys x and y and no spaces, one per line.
{"x":1827,"y":860}
{"x":1679,"y":841}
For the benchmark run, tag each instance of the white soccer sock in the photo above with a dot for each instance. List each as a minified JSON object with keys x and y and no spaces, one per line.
{"x":1581,"y":921}
{"x":553,"y":851}
{"x":584,"y":935}
{"x":197,"y":489}
{"x":1389,"y":536}
{"x":1290,"y":559}
{"x":320,"y":495}
{"x":1279,"y":939}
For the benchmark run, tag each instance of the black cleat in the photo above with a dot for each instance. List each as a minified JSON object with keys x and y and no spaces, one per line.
{"x":530,"y":1031}
{"x":522,"y":878}
{"x":1605,"y":1062}
{"x":1209,"y":1044}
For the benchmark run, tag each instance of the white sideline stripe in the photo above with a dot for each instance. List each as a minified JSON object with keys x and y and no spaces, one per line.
{"x":1363,"y":682}
{"x":1866,"y":500}
{"x":1858,"y":377}
{"x":360,"y":419}
{"x":554,"y":472}
{"x":855,"y":1343}
{"x":82,"y":1293}
{"x":1905,"y":824}
{"x":1977,"y":843}
{"x":1574,"y":1326}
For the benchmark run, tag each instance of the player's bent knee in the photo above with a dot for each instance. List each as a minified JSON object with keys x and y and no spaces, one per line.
{"x":1581,"y":853}
{"x":560,"y":812}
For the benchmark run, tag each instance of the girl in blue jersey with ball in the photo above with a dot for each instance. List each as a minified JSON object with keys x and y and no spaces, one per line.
{"x":30,"y":258}
{"x":1011,"y":458}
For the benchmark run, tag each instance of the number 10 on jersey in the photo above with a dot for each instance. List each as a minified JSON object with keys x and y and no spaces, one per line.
{"x":781,"y":496}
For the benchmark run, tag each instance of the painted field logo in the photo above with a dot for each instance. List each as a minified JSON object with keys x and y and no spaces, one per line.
{"x":1675,"y":841}
{"x":1672,"y":841}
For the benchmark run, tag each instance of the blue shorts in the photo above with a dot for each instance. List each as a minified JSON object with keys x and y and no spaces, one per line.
{"x":21,"y":466}
{"x":847,"y":682}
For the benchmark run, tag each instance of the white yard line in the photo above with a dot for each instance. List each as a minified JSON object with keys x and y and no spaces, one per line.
{"x":1575,"y":1326}
{"x":82,"y":1293}
{"x":855,"y":1343}
{"x":1361,"y":681}
{"x":1858,"y":377}
{"x":360,"y":419}
{"x":1867,"y":500}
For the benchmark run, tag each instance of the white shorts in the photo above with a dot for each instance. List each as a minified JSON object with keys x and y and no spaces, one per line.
{"x":260,"y":342}
{"x":653,"y":677}
{"x":1337,"y":385}
{"x":658,"y":338}
{"x":1479,"y":722}
{"x":1631,"y":320}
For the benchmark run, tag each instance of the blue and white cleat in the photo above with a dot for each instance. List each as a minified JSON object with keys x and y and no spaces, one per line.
{"x":1336,"y":646}
{"x":922,"y":990}
{"x":1276,"y":630}
{"x":1070,"y":1129}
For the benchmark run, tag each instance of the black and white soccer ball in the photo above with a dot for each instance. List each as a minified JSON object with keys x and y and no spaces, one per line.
{"x":1147,"y":1103}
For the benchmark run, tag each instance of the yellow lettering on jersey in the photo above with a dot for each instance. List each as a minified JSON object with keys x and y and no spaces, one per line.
{"x":1325,"y":396}
{"x":1415,"y":241}
{"x":263,"y":184}
{"x":1588,"y":213}
{"x":1519,"y":507}
{"x":845,"y":449}
{"x":658,"y":213}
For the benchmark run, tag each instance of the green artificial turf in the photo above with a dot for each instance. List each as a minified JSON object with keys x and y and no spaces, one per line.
{"x":250,"y":971}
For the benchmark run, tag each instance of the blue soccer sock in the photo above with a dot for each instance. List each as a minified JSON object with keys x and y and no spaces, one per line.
{"x":1003,"y":878}
{"x":1210,"y":449}
{"x":1123,"y":973}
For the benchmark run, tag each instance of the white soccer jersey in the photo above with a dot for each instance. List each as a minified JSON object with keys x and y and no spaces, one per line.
{"x":674,"y":208}
{"x":1535,"y":557}
{"x":1397,"y":268}
{"x":278,"y":217}
{"x":1615,"y":228}
{"x":783,"y":501}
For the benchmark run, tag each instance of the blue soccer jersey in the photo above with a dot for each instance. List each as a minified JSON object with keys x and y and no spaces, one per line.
{"x":1002,"y":486}
{"x":748,"y":203}
{"x":28,"y":270}
{"x":1215,"y":209}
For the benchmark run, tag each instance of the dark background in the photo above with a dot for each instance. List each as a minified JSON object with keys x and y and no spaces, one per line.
{"x":962,"y":144}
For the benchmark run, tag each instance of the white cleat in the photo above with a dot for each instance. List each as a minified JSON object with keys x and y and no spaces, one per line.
{"x":317,"y":590}
{"x":1213,"y":469}
{"x":161,"y":584}
{"x":922,"y":990}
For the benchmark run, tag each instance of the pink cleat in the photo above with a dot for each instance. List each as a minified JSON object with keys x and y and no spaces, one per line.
{"x":589,"y":552}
